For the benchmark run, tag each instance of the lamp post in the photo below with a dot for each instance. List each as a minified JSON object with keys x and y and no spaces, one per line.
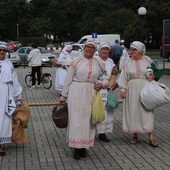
{"x":142,"y":11}
{"x":17,"y":30}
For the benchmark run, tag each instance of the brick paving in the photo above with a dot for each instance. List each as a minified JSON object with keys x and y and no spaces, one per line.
{"x":47,"y":148}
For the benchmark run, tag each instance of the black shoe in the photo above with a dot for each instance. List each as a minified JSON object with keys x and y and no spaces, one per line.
{"x":83,"y":152}
{"x":2,"y":153}
{"x":77,"y":154}
{"x":103,"y":138}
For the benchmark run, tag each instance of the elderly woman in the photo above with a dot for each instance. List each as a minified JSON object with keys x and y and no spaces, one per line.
{"x":10,"y":91}
{"x":64,"y":61}
{"x":136,"y":119}
{"x":79,"y":87}
{"x":107,"y":125}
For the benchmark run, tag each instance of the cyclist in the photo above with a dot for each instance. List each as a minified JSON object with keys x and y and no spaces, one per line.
{"x":35,"y":58}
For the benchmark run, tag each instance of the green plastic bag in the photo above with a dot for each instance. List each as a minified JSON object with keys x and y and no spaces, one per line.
{"x":98,"y":113}
{"x":112,"y":101}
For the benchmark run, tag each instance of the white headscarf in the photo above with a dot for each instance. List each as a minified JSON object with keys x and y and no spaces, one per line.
{"x":139,"y":46}
{"x":122,"y":41}
{"x":3,"y":44}
{"x":90,"y":42}
{"x":66,"y":48}
{"x":102,"y":45}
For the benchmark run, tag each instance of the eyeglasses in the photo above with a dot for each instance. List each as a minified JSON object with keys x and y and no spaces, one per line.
{"x":133,"y":49}
{"x":90,"y":47}
{"x":2,"y":50}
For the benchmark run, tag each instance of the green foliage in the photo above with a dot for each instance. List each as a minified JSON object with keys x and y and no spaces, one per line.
{"x":71,"y":19}
{"x":27,"y":41}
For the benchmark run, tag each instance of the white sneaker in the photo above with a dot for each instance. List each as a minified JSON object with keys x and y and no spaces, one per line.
{"x":32,"y":87}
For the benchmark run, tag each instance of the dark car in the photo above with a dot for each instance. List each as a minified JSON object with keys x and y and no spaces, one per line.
{"x":165,"y":48}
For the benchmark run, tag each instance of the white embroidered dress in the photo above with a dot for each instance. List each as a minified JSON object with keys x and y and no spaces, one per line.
{"x":64,"y":59}
{"x":136,"y":119}
{"x":79,"y":87}
{"x":10,"y":90}
{"x":107,"y":125}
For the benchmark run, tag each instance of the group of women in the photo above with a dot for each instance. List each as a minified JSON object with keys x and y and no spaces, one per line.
{"x":78,"y":88}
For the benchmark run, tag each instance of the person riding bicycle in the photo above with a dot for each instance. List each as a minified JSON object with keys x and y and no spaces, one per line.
{"x":36,"y":59}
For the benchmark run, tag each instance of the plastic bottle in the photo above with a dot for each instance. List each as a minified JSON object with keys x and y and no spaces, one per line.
{"x":18,"y":104}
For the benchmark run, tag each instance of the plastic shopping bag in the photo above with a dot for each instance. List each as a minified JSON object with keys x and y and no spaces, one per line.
{"x":98,"y":115}
{"x":112,"y":101}
{"x":154,"y":94}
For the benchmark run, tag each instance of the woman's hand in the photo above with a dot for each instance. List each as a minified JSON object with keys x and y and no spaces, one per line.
{"x":123,"y":94}
{"x":62,"y":100}
{"x":113,"y":86}
{"x":98,"y":86}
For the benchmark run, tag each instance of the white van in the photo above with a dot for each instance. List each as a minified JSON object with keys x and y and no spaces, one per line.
{"x":110,"y":38}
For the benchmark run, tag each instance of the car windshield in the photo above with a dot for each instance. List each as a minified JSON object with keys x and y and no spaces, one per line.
{"x":43,"y":50}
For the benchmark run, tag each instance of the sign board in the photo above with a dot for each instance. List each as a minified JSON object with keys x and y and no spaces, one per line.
{"x":94,"y":35}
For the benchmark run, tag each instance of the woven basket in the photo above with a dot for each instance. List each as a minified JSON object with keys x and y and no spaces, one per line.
{"x":60,"y":116}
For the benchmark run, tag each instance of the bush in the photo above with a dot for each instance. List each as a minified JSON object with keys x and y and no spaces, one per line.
{"x":27,"y":41}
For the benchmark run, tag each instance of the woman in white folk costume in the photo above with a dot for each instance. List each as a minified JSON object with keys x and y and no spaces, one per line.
{"x":107,"y":125}
{"x":124,"y":57}
{"x":136,"y":119}
{"x":10,"y":91}
{"x":64,"y":61}
{"x":79,"y":87}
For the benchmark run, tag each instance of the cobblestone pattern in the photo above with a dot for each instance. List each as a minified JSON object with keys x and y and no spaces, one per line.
{"x":47,"y":148}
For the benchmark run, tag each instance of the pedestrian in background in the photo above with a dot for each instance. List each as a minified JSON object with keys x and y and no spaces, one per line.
{"x":36,"y":60}
{"x":116,"y":52}
{"x":78,"y":89}
{"x":136,"y":119}
{"x":123,"y":58}
{"x":63,"y":63}
{"x":107,"y":125}
{"x":122,"y":42}
{"x":10,"y":91}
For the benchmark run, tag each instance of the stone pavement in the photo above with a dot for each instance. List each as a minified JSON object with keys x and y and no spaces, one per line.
{"x":47,"y":148}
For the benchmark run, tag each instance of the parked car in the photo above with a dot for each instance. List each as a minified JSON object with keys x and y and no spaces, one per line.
{"x":13,"y":45}
{"x":23,"y":52}
{"x":77,"y":50}
{"x":15,"y":59}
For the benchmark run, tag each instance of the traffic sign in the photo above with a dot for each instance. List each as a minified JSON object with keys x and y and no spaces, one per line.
{"x":94,"y":35}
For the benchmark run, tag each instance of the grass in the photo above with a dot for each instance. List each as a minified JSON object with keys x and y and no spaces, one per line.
{"x":152,"y":52}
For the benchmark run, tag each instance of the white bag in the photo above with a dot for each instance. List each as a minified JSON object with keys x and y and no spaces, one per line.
{"x":154,"y":94}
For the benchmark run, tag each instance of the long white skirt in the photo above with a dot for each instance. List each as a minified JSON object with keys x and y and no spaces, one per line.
{"x":81,"y":131}
{"x":5,"y":119}
{"x":60,"y":78}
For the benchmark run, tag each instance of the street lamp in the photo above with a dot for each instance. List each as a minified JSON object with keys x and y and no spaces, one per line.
{"x":142,"y":11}
{"x":17,"y":30}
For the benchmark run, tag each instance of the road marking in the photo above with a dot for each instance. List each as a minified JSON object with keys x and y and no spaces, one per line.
{"x":53,"y":103}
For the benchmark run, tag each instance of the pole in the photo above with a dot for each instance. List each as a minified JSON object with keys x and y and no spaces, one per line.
{"x":17,"y":30}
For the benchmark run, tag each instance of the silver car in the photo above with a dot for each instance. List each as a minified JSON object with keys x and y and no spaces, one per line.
{"x":15,"y":59}
{"x":23,"y":52}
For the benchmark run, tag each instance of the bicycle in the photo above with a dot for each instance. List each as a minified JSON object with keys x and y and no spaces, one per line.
{"x":45,"y":80}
